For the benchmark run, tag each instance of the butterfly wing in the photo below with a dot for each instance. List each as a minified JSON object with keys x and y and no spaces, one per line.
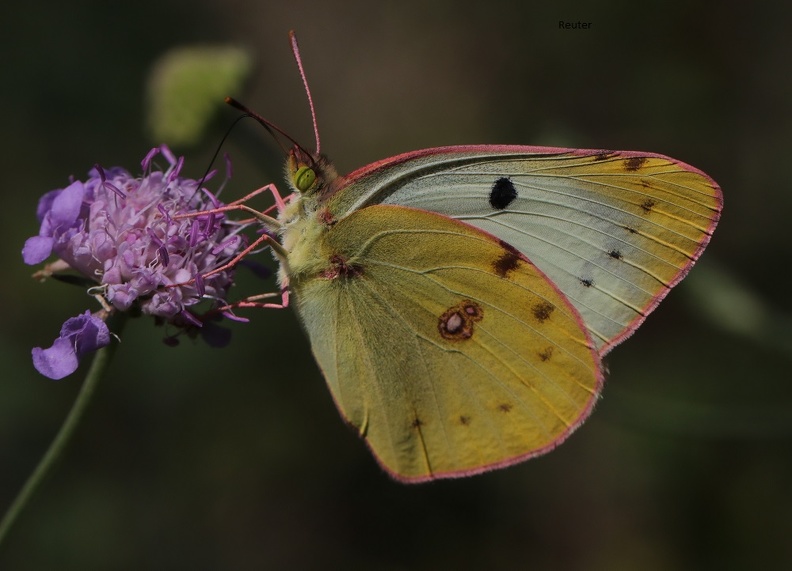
{"x":445,"y":348}
{"x":613,"y":230}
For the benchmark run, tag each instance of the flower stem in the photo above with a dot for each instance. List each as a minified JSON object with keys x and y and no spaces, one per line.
{"x":45,"y":466}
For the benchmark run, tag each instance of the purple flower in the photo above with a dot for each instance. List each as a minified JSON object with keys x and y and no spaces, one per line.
{"x":79,"y":335}
{"x":57,"y":211}
{"x":143,"y":242}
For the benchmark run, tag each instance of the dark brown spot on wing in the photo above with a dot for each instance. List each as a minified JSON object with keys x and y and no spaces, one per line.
{"x":634,"y":163}
{"x":505,"y":407}
{"x":326,"y":217}
{"x":464,"y":420}
{"x":587,"y":282}
{"x":340,"y":268}
{"x":647,"y":205}
{"x":542,"y":310}
{"x":604,"y":155}
{"x":615,"y":254}
{"x":546,"y":354}
{"x":417,"y":423}
{"x":508,"y":261}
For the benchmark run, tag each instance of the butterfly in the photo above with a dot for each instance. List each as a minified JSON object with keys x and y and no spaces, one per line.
{"x":459,"y":300}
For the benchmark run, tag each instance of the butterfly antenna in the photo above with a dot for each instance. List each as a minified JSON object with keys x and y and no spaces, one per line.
{"x":271,"y":127}
{"x":296,"y":52}
{"x":202,"y":180}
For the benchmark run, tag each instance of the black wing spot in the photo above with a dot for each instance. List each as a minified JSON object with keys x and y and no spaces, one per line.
{"x":588,"y":282}
{"x":502,"y":194}
{"x":615,"y":254}
{"x":547,"y":354}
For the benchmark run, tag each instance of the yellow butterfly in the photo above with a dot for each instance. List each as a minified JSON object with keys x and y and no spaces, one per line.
{"x":459,"y":299}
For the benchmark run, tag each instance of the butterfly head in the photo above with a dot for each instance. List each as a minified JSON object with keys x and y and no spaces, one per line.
{"x":308,"y":174}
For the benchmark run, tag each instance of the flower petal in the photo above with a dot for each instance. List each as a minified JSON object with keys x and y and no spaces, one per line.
{"x":58,"y":361}
{"x":66,"y":206}
{"x":37,"y":249}
{"x":45,"y":203}
{"x":88,"y":332}
{"x":79,"y":335}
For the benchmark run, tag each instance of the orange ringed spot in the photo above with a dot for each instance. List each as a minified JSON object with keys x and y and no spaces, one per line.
{"x":456,"y":323}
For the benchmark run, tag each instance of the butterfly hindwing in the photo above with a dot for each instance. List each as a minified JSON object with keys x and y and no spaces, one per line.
{"x":443,"y":346}
{"x":614,"y":231}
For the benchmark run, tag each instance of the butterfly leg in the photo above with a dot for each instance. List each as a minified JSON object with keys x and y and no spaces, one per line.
{"x":268,"y":222}
{"x":280,"y":203}
{"x":271,"y":226}
{"x":255,"y":301}
{"x":273,"y":243}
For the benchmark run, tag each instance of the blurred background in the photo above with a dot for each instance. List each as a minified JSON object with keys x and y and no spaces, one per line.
{"x":196,"y":458}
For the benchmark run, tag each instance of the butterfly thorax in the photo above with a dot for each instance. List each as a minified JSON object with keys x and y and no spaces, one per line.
{"x":304,"y":221}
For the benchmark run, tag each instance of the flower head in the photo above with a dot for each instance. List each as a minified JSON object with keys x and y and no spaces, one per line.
{"x":141,"y":241}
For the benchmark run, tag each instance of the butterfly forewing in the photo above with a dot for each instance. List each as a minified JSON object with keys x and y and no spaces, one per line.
{"x":445,"y":348}
{"x":614,"y":231}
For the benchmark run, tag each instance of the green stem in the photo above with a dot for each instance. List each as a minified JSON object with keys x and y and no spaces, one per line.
{"x":100,"y":362}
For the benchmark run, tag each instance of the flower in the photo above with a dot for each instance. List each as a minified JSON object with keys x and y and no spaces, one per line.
{"x":79,"y":335}
{"x":146,"y":244}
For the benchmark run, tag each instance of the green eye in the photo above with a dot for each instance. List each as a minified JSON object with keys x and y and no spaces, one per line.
{"x":304,"y":178}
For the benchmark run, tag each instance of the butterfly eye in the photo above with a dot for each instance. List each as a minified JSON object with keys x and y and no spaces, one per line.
{"x":304,"y":178}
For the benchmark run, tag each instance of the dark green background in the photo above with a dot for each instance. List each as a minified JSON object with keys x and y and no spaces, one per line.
{"x":192,"y":458}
